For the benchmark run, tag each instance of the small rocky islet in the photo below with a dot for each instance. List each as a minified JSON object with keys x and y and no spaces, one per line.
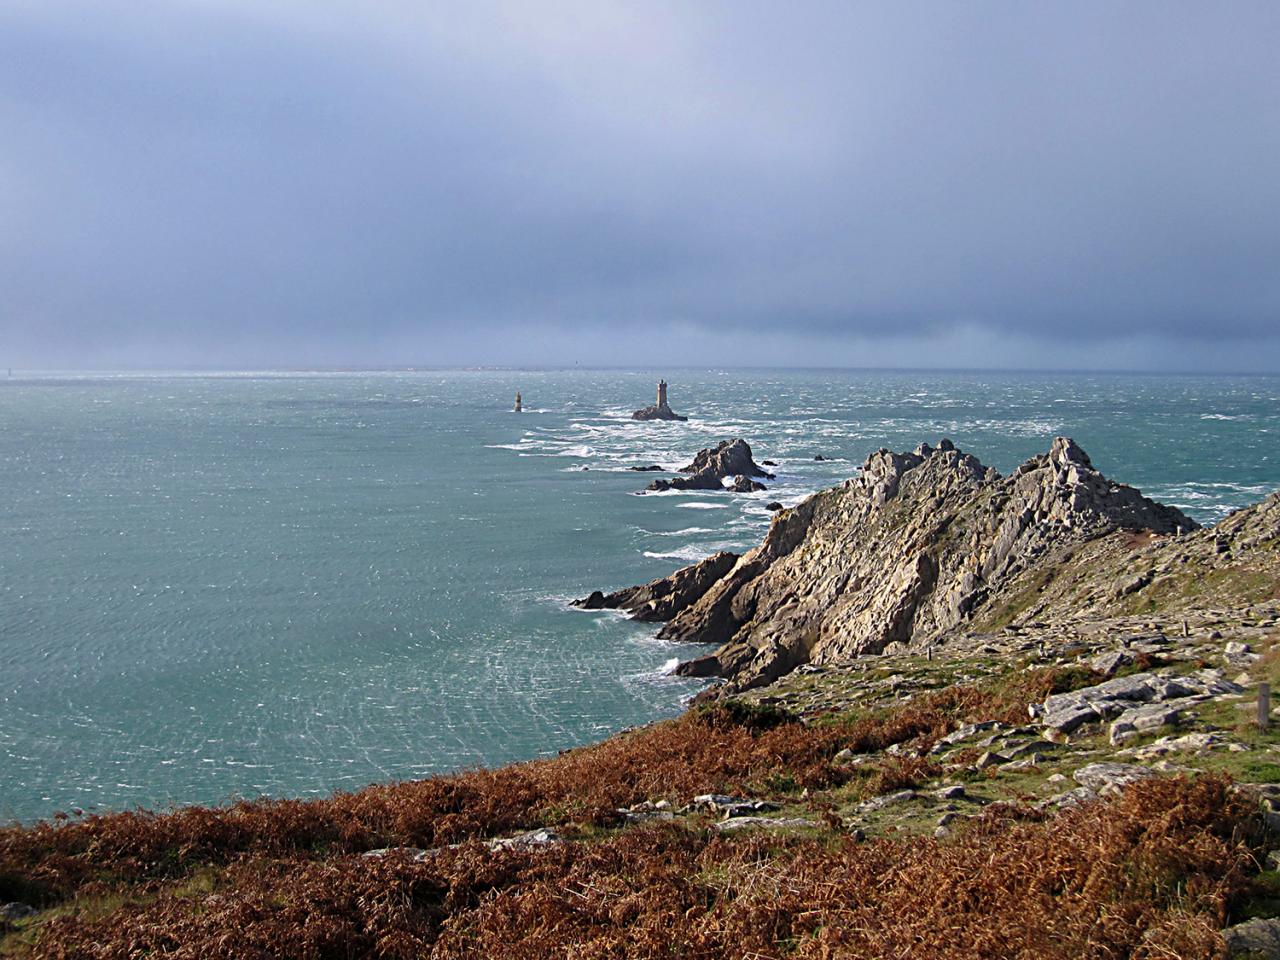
{"x":661,"y":409}
{"x":730,"y":460}
{"x":958,"y":713}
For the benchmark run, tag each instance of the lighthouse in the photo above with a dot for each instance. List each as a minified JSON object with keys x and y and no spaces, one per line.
{"x":660,"y":410}
{"x":519,"y":405}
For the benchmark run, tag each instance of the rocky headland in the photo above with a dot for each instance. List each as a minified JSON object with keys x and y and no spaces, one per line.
{"x":713,"y":465}
{"x":914,"y":546}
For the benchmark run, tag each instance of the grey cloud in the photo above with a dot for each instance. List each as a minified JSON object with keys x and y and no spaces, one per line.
{"x":284,"y":182}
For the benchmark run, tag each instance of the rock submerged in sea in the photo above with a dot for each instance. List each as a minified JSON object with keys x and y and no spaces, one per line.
{"x":728,"y":459}
{"x":712,"y":466}
{"x":707,"y":482}
{"x":657,"y":413}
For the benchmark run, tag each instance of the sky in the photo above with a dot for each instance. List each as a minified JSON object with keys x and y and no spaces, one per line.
{"x":304,"y":183}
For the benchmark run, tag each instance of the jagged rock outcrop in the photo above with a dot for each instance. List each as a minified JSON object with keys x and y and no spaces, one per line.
{"x":661,"y":599}
{"x":729,"y":458}
{"x":902,"y":553}
{"x":711,"y":466}
{"x":700,"y":481}
{"x":656,"y":412}
{"x":1127,"y":574}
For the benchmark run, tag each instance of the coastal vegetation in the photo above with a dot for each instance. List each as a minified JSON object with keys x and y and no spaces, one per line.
{"x":1162,"y":869}
{"x":633,"y":866}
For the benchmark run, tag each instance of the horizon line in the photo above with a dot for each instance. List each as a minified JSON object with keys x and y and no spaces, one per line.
{"x":20,"y":372}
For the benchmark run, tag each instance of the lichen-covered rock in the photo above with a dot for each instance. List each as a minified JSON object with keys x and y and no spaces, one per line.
{"x":533,"y":840}
{"x":1256,"y":939}
{"x":1197,"y":742}
{"x":13,"y":912}
{"x":1108,"y":663}
{"x":1138,"y":703}
{"x":1109,"y":776}
{"x":762,"y":823}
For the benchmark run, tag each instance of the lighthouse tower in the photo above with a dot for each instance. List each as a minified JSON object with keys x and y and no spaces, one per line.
{"x":660,"y":410}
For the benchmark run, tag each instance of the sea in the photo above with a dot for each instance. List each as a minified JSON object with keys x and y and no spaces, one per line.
{"x":221,"y":586}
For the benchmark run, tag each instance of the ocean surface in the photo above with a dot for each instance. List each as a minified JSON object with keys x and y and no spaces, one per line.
{"x":286,"y":584}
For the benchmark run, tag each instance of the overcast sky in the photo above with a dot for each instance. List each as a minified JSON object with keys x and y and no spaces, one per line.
{"x":248,"y":183}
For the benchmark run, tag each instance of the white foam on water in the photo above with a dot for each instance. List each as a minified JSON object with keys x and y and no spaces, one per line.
{"x":687,"y":531}
{"x":559,"y":599}
{"x":665,"y":672}
{"x":703,"y":506}
{"x":626,"y":467}
{"x":673,"y":493}
{"x":691,"y":553}
{"x":605,"y":616}
{"x":1234,"y":487}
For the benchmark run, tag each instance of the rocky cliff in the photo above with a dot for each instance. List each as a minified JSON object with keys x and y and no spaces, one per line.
{"x":665,"y":597}
{"x":910,"y":548}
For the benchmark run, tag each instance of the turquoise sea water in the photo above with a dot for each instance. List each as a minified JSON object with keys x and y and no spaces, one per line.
{"x":218,"y":586}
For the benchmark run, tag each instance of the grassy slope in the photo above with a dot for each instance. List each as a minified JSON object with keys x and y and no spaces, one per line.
{"x":1164,"y":868}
